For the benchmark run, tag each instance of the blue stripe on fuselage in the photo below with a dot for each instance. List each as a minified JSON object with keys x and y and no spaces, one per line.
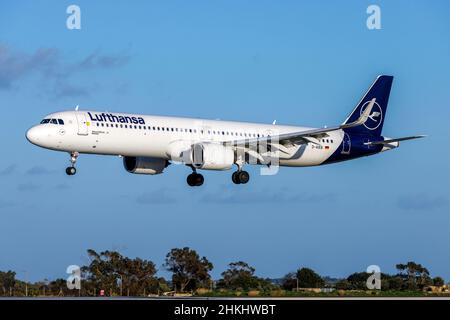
{"x":357,"y":148}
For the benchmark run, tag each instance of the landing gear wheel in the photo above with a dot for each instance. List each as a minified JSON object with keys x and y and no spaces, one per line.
{"x":239,"y":177}
{"x":195,"y":179}
{"x":235,"y":178}
{"x":191,"y":180}
{"x":243,"y":177}
{"x":71,"y":171}
{"x":199,"y":180}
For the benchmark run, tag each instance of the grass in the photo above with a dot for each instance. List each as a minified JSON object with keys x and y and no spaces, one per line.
{"x":337,"y":293}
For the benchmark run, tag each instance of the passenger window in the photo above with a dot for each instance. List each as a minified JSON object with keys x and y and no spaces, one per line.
{"x":98,"y":124}
{"x":103,"y":124}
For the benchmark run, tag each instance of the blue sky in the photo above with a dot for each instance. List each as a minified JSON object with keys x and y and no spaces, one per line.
{"x":304,"y":63}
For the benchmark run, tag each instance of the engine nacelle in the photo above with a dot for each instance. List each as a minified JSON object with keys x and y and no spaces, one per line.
{"x":211,"y":156}
{"x":144,"y":165}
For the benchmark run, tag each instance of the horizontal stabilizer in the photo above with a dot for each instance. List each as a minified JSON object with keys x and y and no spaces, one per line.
{"x":393,"y":140}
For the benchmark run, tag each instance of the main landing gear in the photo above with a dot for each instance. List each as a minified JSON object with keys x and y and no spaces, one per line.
{"x":240,"y":176}
{"x":195,"y":179}
{"x":70,"y":171}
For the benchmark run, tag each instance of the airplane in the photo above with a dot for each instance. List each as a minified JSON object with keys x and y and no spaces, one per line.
{"x":148,"y":144}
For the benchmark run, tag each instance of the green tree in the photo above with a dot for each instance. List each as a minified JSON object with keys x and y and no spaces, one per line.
{"x":358,"y":280}
{"x":7,"y":281}
{"x":393,"y":283}
{"x":289,"y":281}
{"x":343,"y":284}
{"x":308,"y":278}
{"x":189,"y":271}
{"x":116,"y":274}
{"x":414,"y":275}
{"x":58,"y":287}
{"x":438,"y":282}
{"x":240,"y":276}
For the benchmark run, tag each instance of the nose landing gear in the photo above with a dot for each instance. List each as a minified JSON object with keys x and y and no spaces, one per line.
{"x":70,"y":171}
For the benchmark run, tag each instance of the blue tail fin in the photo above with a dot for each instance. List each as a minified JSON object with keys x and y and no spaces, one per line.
{"x":379,"y":90}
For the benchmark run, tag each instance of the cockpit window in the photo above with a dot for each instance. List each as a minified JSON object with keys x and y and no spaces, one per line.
{"x":53,"y":121}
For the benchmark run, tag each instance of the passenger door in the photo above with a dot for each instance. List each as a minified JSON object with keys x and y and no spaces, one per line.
{"x":82,"y":123}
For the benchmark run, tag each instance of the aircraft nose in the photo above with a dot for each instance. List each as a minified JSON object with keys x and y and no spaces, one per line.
{"x":35,"y":135}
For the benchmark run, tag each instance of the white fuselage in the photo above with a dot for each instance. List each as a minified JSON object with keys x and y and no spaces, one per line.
{"x":162,"y":137}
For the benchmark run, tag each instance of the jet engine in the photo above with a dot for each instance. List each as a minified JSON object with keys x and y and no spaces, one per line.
{"x":144,"y":165}
{"x":211,"y":156}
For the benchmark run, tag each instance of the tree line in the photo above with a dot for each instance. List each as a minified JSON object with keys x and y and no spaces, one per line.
{"x":110,"y":273}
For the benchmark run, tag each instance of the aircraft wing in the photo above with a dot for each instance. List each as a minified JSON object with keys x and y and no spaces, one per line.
{"x":306,"y":135}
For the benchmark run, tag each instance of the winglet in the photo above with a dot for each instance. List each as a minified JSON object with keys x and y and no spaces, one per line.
{"x":363,"y":118}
